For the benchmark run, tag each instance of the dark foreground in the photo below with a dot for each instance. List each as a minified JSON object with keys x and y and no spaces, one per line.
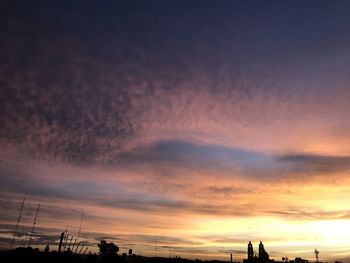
{"x":25,"y":255}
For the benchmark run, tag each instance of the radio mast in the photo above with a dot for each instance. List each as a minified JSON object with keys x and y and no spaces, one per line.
{"x":31,"y":233}
{"x":18,"y":219}
{"x":81,"y":222}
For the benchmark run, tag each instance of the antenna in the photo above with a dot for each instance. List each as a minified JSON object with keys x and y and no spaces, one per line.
{"x":316,"y":254}
{"x":31,"y":233}
{"x":18,"y":219}
{"x":81,"y":222}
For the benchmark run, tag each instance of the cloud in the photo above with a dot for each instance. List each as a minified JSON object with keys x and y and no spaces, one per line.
{"x":314,"y":214}
{"x":194,"y":155}
{"x":235,"y":162}
{"x":318,"y":164}
{"x":233,"y":251}
{"x":156,"y":138}
{"x":72,"y":103}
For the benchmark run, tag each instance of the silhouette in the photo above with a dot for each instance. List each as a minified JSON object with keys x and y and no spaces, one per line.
{"x":108,"y":251}
{"x":285,"y":259}
{"x":263,"y":256}
{"x":250,"y":251}
{"x":61,"y":240}
{"x":18,"y":219}
{"x":47,"y":249}
{"x":300,"y":260}
{"x":32,"y":232}
{"x":316,"y":254}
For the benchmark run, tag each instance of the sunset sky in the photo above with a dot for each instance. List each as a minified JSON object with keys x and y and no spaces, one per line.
{"x":186,"y":126}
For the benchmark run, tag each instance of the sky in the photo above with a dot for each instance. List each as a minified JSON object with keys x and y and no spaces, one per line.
{"x":182,"y":128}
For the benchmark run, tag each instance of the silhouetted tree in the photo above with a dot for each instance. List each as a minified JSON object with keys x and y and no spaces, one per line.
{"x":108,"y":251}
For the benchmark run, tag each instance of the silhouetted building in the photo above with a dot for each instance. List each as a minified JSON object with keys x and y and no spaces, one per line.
{"x":263,"y":256}
{"x":250,"y":251}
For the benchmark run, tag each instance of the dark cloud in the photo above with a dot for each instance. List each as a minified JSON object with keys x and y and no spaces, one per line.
{"x":28,"y":186}
{"x":191,"y":153}
{"x":233,"y":251}
{"x":313,"y":214}
{"x":75,"y":89}
{"x":191,"y":250}
{"x":165,"y":206}
{"x":167,"y":240}
{"x":252,"y":164}
{"x":41,"y":234}
{"x":228,"y":190}
{"x":109,"y":238}
{"x":227,"y":239}
{"x":145,"y":203}
{"x":317,"y":164}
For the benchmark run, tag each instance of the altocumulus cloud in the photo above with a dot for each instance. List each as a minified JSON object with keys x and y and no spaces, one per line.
{"x":107,"y":107}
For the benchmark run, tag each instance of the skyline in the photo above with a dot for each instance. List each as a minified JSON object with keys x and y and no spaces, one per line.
{"x":200,"y":125}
